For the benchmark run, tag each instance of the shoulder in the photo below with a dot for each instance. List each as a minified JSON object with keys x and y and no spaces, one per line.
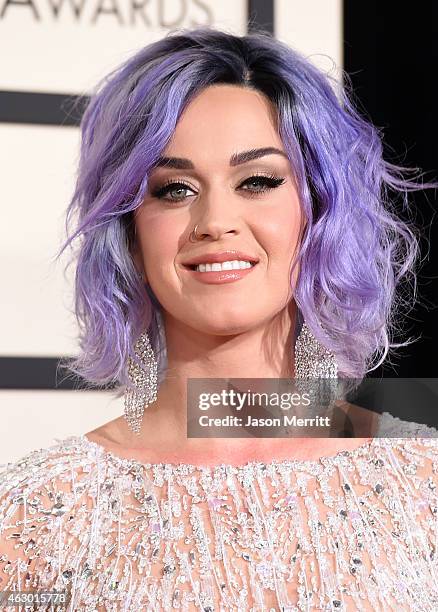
{"x":414,"y":461}
{"x":57,"y":468}
{"x":40,"y":465}
{"x":21,"y":477}
{"x":35,"y":491}
{"x":392,"y":426}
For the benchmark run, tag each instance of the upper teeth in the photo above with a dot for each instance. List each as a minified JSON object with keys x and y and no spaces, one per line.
{"x":225,"y":265}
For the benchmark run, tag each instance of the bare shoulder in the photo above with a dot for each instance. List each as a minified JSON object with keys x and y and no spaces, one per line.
{"x":116,"y":437}
{"x":112,"y":431}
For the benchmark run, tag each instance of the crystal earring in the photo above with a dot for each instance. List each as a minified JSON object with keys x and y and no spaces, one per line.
{"x":143,"y":378}
{"x":142,"y":387}
{"x":312,"y":359}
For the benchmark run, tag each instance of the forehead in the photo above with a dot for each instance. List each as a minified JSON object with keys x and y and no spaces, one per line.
{"x":223,"y":119}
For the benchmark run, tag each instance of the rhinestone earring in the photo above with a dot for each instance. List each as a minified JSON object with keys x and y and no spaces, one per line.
{"x":143,"y":378}
{"x":312,"y":359}
{"x":142,"y":387}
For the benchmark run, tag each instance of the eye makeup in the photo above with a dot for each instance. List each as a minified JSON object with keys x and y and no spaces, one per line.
{"x":263,"y":183}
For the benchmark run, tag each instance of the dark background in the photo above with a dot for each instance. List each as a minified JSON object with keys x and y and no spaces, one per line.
{"x":391,"y":56}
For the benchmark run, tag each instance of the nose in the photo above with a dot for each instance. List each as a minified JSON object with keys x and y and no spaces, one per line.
{"x":218,"y":217}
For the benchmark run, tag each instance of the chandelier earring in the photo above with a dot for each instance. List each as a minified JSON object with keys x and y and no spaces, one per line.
{"x":318,"y":365}
{"x":142,"y":388}
{"x":312,"y":359}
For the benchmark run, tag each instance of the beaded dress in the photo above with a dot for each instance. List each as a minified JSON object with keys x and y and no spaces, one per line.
{"x":354,"y":531}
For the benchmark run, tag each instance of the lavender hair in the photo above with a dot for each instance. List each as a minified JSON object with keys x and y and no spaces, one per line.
{"x":355,"y":249}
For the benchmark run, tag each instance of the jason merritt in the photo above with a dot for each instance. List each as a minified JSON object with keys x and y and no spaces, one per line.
{"x":289,"y":421}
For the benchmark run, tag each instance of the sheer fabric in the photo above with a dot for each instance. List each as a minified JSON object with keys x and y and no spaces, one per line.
{"x":357,"y":531}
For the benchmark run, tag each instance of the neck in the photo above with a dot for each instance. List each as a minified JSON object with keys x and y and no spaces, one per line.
{"x":262,"y":352}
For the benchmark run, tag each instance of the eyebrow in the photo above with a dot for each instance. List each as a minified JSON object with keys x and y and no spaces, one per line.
{"x":182,"y":163}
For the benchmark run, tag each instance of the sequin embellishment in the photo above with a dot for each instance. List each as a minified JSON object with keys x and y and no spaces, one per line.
{"x":357,"y":531}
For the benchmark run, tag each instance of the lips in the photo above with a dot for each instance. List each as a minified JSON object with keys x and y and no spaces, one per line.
{"x":219,"y":257}
{"x":218,"y":277}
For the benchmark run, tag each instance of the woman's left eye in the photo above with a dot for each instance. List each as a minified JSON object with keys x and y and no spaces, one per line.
{"x":262,"y":183}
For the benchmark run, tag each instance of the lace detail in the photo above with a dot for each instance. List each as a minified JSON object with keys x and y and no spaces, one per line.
{"x":356,"y":531}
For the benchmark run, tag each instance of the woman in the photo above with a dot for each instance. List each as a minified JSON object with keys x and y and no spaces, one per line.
{"x":225,"y":195}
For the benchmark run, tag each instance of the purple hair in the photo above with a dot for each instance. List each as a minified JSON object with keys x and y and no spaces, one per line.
{"x":355,"y":250}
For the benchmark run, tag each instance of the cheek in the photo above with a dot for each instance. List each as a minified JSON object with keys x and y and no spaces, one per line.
{"x":160,"y":241}
{"x":280,"y":230}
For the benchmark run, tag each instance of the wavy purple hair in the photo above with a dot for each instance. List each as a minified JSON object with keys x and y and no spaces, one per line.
{"x":355,"y":249}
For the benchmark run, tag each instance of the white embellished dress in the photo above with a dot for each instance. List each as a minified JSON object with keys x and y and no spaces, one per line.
{"x":355,"y":531}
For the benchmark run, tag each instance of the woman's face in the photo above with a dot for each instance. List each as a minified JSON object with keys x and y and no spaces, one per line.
{"x":250,"y":207}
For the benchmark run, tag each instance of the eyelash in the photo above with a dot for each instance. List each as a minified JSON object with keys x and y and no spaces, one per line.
{"x":270,"y":181}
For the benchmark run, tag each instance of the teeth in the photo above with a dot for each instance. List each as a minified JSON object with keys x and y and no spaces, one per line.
{"x":226,"y":265}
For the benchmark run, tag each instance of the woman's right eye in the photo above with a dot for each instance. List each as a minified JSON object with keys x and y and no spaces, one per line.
{"x":175,"y":188}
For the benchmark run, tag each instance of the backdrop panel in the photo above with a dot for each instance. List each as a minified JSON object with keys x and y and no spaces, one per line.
{"x":66,"y":46}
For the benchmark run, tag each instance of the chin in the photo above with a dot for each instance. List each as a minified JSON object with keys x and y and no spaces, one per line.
{"x":225,"y":328}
